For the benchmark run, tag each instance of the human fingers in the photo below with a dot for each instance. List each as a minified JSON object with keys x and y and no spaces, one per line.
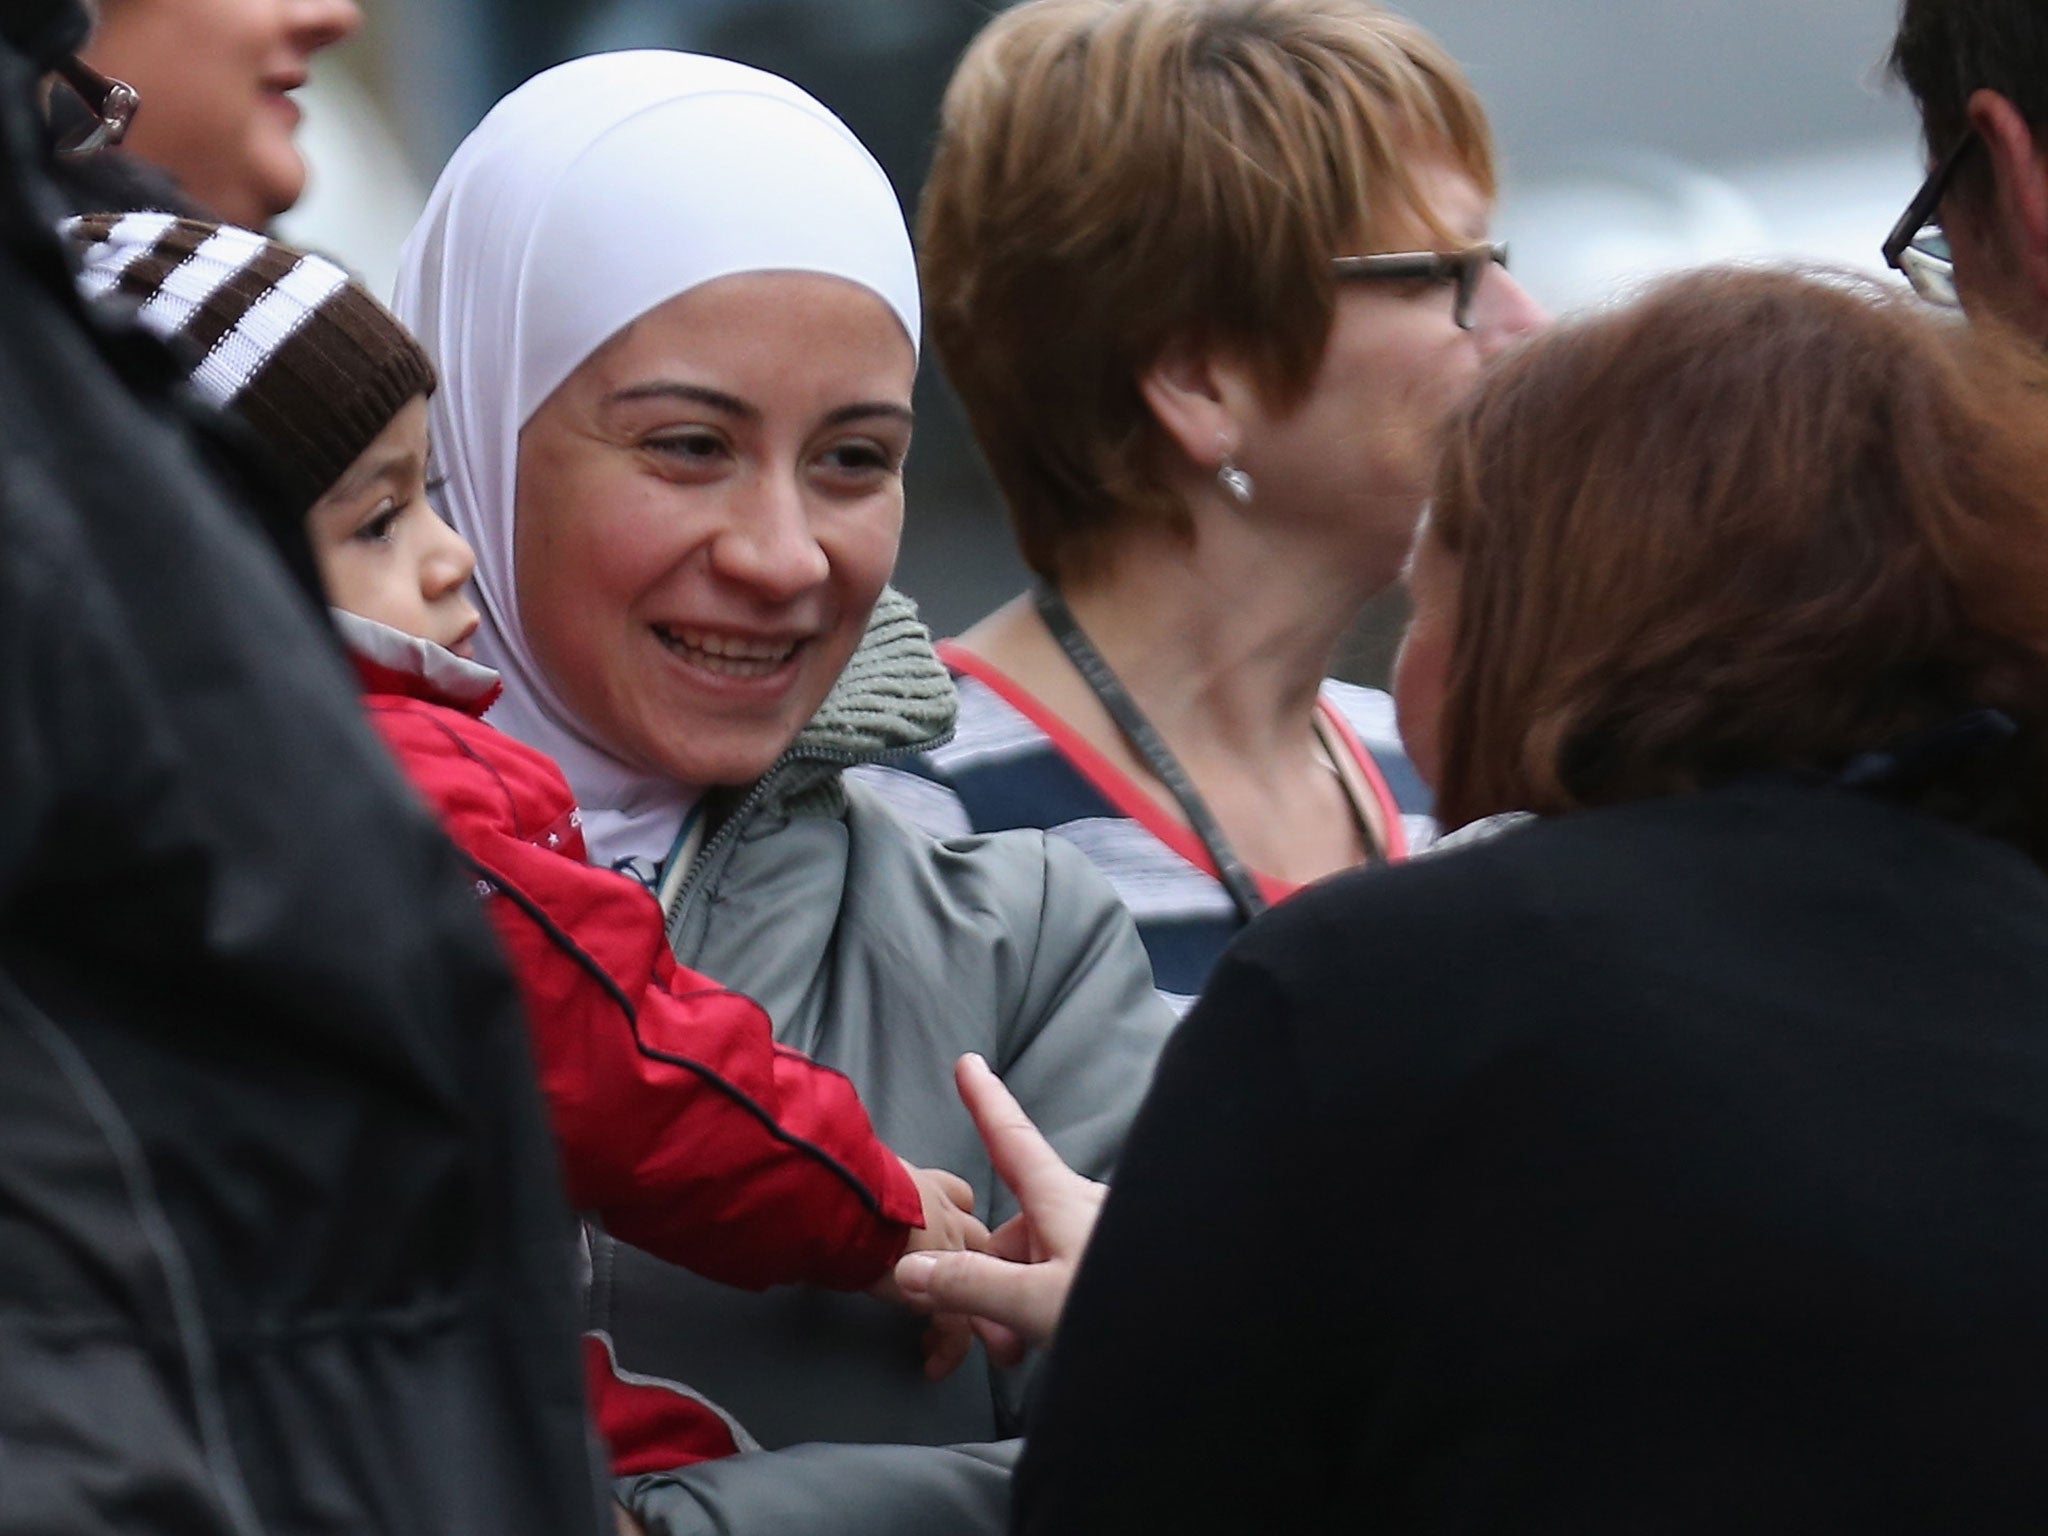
{"x":953,"y":1187}
{"x":948,"y":1340}
{"x":1013,"y":1241}
{"x":1023,"y":1158}
{"x":947,"y":1230}
{"x":1061,"y":1203}
{"x":1005,"y":1345}
{"x":1023,"y":1297}
{"x":936,"y":1187}
{"x":947,"y":1223}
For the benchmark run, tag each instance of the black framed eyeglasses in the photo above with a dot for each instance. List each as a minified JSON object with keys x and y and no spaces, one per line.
{"x":110,"y":106}
{"x":1917,"y":246}
{"x":1466,"y":268}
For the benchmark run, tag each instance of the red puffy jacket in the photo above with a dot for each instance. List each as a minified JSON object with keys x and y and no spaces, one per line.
{"x":685,"y":1129}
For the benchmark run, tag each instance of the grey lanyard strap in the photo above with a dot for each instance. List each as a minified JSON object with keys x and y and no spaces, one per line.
{"x":1123,"y":709}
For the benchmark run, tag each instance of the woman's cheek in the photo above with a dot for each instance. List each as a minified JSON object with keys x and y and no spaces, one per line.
{"x":868,"y":557}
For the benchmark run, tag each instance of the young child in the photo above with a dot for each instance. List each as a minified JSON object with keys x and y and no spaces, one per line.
{"x":684,"y":1128}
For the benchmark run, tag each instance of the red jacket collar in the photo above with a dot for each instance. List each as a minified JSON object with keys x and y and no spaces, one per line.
{"x":390,"y":661}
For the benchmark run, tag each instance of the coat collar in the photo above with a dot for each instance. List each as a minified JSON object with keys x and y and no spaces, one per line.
{"x":390,"y":661}
{"x":894,"y":698}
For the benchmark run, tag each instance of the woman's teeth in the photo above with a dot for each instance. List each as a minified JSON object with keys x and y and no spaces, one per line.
{"x":728,"y":655}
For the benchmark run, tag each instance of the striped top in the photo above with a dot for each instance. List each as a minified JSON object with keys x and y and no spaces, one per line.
{"x":1013,"y":763}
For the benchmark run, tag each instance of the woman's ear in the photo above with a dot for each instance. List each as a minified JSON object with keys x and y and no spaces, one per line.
{"x":2020,"y":198}
{"x":1200,"y":400}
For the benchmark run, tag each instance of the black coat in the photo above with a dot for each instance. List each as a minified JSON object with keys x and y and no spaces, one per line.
{"x":1680,"y":1167}
{"x":281,"y":1238}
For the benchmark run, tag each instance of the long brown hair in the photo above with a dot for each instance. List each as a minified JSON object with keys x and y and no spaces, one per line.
{"x":1753,"y":521}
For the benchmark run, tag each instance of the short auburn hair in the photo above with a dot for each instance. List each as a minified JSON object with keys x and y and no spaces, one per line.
{"x":1113,"y":177}
{"x":1754,"y":521}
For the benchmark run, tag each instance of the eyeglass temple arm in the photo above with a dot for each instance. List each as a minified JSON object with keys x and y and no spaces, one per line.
{"x":113,"y":102}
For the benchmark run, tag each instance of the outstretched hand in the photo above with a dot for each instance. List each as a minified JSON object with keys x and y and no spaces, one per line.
{"x":949,"y":1225}
{"x":949,"y":1219}
{"x":1016,"y":1289}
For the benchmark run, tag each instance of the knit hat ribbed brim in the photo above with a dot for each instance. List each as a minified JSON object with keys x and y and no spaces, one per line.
{"x":283,"y":340}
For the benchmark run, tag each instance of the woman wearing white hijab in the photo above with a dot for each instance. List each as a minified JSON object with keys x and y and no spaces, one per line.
{"x":675,"y":314}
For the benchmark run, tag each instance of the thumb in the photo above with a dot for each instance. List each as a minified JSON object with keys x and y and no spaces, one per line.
{"x":978,"y":1284}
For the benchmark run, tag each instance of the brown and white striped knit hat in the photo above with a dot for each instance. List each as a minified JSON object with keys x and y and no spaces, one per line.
{"x":284,"y":341}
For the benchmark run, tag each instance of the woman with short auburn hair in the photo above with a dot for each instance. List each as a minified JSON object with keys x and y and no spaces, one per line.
{"x":1206,"y":275}
{"x":1674,"y":1159}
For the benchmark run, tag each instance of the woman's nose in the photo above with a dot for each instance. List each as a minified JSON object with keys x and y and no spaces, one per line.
{"x":318,"y":24}
{"x":1504,"y":312}
{"x":769,"y":545}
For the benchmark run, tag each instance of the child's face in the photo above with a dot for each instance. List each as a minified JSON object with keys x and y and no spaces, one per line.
{"x":384,"y":553}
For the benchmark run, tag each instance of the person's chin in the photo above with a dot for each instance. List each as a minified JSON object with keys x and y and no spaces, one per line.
{"x":721,"y":753}
{"x":275,"y":181}
{"x":729,"y":736}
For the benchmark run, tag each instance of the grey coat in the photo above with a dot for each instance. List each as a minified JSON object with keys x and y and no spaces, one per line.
{"x":885,"y":954}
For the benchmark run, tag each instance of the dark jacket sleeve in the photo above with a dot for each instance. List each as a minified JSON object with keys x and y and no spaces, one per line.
{"x":110,"y":1420}
{"x":1187,"y":1389}
{"x":684,"y":1127}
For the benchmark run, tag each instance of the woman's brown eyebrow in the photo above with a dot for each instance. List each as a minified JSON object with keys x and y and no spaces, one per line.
{"x":696,"y":394}
{"x":867,"y":408}
{"x":732,"y":405}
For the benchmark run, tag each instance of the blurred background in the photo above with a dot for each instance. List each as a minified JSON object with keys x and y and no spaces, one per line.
{"x":1637,"y":136}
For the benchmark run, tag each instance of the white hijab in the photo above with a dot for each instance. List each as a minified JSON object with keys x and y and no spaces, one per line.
{"x":595,"y":192}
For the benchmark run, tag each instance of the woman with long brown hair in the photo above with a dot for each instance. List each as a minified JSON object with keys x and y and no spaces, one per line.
{"x":1687,"y":1169}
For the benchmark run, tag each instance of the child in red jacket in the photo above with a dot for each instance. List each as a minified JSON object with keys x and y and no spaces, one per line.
{"x":685,"y":1129}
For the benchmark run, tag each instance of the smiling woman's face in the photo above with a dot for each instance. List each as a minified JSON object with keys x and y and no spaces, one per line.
{"x":216,"y":78}
{"x":707,"y":509}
